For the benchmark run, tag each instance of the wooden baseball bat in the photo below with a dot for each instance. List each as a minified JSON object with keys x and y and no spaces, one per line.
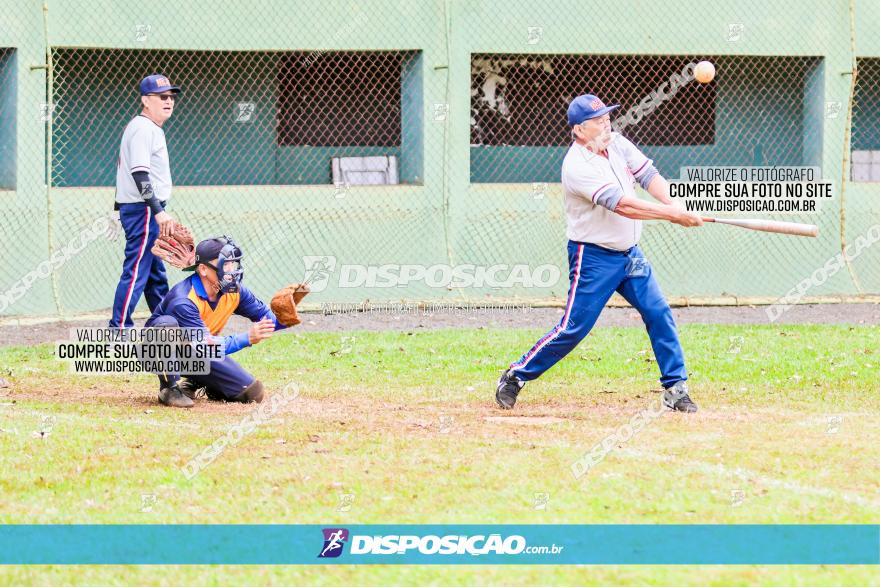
{"x":777,"y":226}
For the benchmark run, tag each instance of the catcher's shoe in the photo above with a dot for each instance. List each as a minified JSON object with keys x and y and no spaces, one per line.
{"x":676,"y":398}
{"x":172,"y":396}
{"x":190,"y":388}
{"x":508,"y":388}
{"x":251,"y":393}
{"x":215,"y":395}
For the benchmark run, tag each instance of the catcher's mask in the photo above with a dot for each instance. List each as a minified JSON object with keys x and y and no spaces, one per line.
{"x":228,"y":255}
{"x":229,"y":271}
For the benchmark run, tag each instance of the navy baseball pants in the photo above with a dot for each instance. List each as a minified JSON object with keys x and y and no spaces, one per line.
{"x":226,"y":377}
{"x":142,"y":272}
{"x":595,"y":274}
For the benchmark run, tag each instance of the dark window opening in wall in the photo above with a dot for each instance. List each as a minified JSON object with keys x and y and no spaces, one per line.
{"x":759,"y":110}
{"x":8,"y":114}
{"x":340,"y":99}
{"x":244,"y":117}
{"x":865,"y":157}
{"x":522,"y":99}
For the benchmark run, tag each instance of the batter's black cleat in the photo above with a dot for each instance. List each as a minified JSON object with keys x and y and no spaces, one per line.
{"x":508,"y":388}
{"x":172,"y":396}
{"x":190,"y":388}
{"x":676,"y":398}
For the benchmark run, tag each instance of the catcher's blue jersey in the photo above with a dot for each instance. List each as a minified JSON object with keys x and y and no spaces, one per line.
{"x":188,"y":303}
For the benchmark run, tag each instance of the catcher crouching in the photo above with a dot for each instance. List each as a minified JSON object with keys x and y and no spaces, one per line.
{"x":206,"y":300}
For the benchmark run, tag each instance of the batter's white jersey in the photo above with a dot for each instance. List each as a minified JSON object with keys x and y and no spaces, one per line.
{"x":591,"y":182}
{"x":143,"y":148}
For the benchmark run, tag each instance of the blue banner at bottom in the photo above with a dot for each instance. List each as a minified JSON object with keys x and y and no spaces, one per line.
{"x":441,"y":544}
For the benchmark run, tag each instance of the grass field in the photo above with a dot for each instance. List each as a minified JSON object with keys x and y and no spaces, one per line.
{"x":405,"y":424}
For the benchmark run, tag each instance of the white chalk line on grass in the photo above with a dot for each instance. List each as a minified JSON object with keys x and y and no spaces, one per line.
{"x":746,"y":475}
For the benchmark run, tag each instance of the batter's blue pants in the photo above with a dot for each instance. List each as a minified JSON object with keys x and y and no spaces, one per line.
{"x":595,"y":274}
{"x":142,"y":272}
{"x":226,"y":377}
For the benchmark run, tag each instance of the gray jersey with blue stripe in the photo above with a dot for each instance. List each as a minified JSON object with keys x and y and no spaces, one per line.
{"x":143,"y":148}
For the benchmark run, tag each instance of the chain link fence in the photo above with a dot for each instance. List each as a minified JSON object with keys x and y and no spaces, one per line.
{"x":244,"y":118}
{"x":8,"y":115}
{"x":248,"y":119}
{"x":866,"y":122}
{"x":520,"y":101}
{"x":378,"y":154}
{"x":862,"y":221}
{"x":758,"y":111}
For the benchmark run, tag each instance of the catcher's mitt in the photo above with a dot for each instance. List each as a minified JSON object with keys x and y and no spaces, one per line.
{"x":284,"y":303}
{"x":178,"y":250}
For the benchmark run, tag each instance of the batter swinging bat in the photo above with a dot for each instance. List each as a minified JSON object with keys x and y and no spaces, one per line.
{"x":778,"y":226}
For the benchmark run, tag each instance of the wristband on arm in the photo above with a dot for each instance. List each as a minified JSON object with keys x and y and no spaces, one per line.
{"x":609,"y":198}
{"x":142,"y":181}
{"x":647,"y":175}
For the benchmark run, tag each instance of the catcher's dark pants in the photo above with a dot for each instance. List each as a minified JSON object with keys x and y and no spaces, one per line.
{"x":226,"y":378}
{"x":142,"y":272}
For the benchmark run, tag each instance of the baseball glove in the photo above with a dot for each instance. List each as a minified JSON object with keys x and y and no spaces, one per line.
{"x":178,"y":250}
{"x":284,"y":303}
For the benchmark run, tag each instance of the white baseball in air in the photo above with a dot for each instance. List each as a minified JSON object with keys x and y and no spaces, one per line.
{"x":704,"y":72}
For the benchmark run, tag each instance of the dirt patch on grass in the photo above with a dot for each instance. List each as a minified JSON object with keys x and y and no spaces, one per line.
{"x":524,"y":420}
{"x":856,"y":314}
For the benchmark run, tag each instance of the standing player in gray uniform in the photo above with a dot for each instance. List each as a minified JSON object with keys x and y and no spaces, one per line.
{"x":143,"y":186}
{"x":604,"y":215}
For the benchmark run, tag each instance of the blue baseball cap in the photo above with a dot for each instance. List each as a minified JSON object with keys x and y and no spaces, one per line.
{"x":156,"y":84}
{"x":586,"y":107}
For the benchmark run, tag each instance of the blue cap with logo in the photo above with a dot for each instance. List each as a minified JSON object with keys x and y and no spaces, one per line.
{"x":586,"y":107}
{"x":156,"y":84}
